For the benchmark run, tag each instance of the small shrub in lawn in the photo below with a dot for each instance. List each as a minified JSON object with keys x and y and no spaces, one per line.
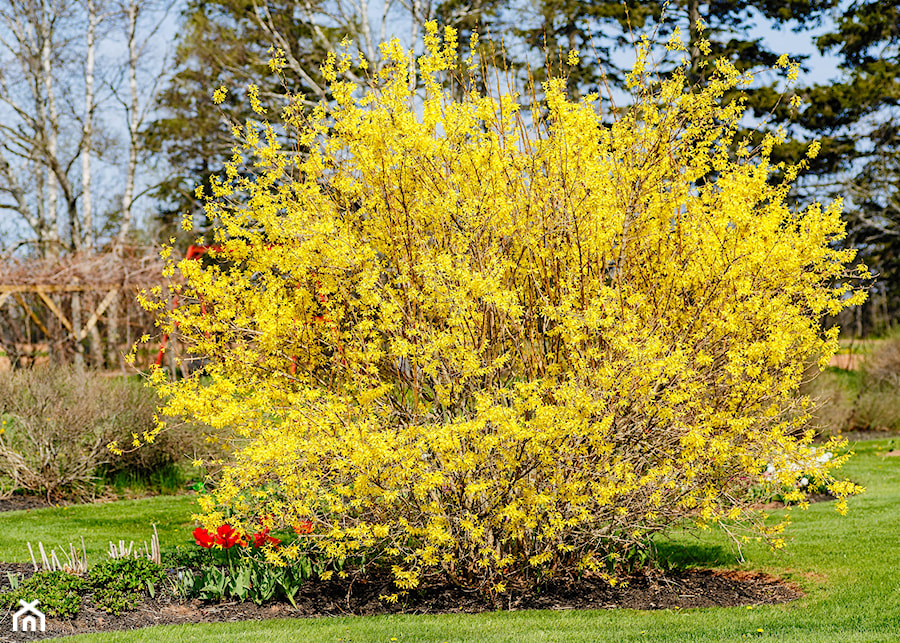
{"x":773,"y":488}
{"x":877,"y":408}
{"x":463,"y":341}
{"x":878,"y":405}
{"x":833,"y":392}
{"x":59,"y":593}
{"x":882,"y":366}
{"x":161,"y":465}
{"x":57,"y":423}
{"x":119,"y":584}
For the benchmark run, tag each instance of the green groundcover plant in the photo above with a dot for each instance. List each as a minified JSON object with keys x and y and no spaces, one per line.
{"x":115,"y":586}
{"x":497,"y":344}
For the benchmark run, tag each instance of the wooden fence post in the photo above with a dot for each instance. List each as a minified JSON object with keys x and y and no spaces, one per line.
{"x":76,"y":331}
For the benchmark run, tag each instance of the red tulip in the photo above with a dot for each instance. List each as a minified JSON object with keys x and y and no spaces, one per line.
{"x":227,"y":536}
{"x":204,"y":538}
{"x":305,"y":527}
{"x":263,"y":537}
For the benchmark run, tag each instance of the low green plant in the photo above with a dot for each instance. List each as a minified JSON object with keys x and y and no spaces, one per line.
{"x":185,"y":583}
{"x":58,"y":593}
{"x":253,"y":580}
{"x":119,"y":584}
{"x":14,"y":580}
{"x":116,"y":586}
{"x":214,"y":583}
{"x":242,"y":582}
{"x":179,"y":557}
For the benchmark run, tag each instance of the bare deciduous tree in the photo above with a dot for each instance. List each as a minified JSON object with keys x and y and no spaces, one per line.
{"x":51,"y":143}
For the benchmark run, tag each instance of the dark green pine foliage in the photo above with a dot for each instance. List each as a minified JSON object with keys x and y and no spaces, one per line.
{"x":228,"y":43}
{"x":603,"y":32}
{"x":858,"y":121}
{"x":550,"y":29}
{"x":221,"y":43}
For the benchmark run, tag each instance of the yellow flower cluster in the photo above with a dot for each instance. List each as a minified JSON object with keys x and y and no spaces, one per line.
{"x":500,"y":346}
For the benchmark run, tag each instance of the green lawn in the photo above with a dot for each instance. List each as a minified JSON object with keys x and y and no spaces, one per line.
{"x":99,"y":524}
{"x":849,"y":567}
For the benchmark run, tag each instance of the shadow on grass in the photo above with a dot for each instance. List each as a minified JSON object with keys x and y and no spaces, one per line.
{"x":679,"y":556}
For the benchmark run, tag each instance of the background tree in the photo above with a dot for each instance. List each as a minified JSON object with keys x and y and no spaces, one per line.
{"x":224,"y":43}
{"x":857,"y":118}
{"x":230,"y":43}
{"x":35,"y":44}
{"x":602,"y":31}
{"x":59,"y":127}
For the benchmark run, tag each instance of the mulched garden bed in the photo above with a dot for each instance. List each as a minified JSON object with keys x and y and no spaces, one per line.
{"x":649,"y":591}
{"x":811,"y":498}
{"x":17,"y":502}
{"x":652,"y":590}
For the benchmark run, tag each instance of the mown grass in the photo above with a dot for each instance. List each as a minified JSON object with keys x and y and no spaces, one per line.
{"x":99,"y":524}
{"x":849,"y":567}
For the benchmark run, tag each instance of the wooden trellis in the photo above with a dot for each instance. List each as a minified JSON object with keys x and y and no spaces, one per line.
{"x":42,"y":291}
{"x":73,"y":302}
{"x":78,"y":331}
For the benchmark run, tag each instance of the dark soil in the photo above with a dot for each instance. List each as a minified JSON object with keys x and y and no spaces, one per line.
{"x":17,"y":502}
{"x":650,"y":590}
{"x":810,"y":498}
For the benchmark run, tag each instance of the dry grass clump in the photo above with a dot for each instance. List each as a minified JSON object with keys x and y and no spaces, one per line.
{"x":867,"y":399}
{"x":56,"y":422}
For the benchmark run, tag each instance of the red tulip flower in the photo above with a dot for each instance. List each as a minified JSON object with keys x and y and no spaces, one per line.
{"x":227,"y":537}
{"x":204,"y":538}
{"x":261,"y":538}
{"x":305,"y":527}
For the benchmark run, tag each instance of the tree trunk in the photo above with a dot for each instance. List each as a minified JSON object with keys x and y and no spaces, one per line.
{"x":87,"y":128}
{"x":113,"y":359}
{"x":694,"y":35}
{"x":51,"y":129}
{"x":133,"y":124}
{"x":76,"y":331}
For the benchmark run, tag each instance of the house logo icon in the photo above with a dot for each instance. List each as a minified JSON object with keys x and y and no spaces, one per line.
{"x":28,"y":618}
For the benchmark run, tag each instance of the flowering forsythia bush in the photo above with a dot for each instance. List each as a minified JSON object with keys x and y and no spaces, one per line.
{"x":500,"y":345}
